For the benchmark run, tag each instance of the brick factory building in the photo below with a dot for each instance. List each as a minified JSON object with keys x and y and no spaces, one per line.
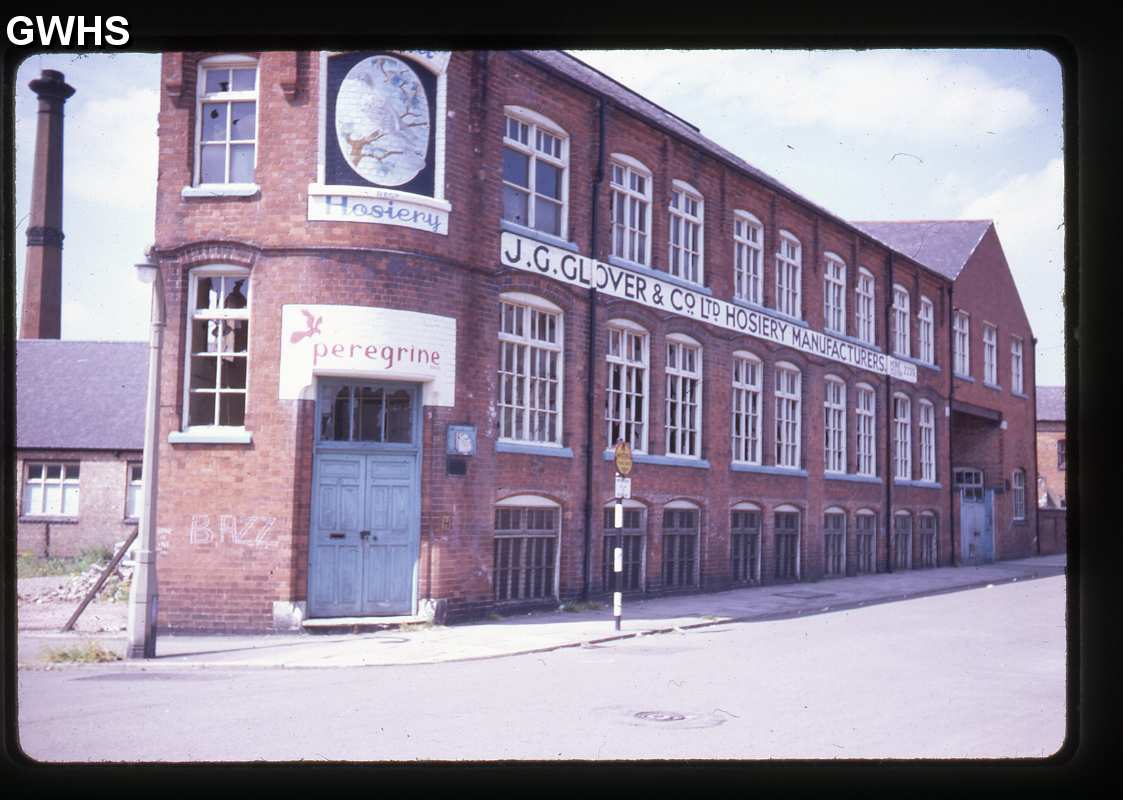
{"x":415,"y":298}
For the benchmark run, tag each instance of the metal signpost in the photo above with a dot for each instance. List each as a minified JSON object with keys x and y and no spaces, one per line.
{"x":623,"y":460}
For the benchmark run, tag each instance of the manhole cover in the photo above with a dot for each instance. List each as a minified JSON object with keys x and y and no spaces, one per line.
{"x":804,"y":595}
{"x":660,"y":716}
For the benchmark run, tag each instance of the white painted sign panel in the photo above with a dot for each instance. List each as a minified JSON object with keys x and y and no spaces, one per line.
{"x":367,"y":343}
{"x":338,"y":205}
{"x":562,"y":265}
{"x":623,"y":488}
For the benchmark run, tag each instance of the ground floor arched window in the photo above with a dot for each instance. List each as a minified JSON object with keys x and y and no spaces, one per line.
{"x":632,"y":538}
{"x":785,"y":531}
{"x":834,"y":542}
{"x":902,"y":540}
{"x":865,"y":539}
{"x":526,"y":548}
{"x":928,"y":527}
{"x":680,"y":544}
{"x":744,"y":534}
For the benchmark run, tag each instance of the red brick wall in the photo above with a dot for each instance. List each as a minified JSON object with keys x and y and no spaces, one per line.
{"x":1048,"y":436}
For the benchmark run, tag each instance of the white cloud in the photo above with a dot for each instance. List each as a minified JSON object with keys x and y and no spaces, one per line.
{"x":111,"y":150}
{"x":919,"y":95}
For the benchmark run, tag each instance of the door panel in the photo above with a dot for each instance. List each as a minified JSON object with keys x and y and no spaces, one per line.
{"x":392,"y":519}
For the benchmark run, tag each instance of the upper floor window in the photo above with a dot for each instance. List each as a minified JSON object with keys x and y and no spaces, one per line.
{"x":748,"y":237}
{"x":1017,"y":369}
{"x":684,"y":397}
{"x":990,"y":354}
{"x":926,"y":317}
{"x":1062,"y":457}
{"x":1019,"y":490}
{"x":962,"y":343}
{"x":867,"y":431}
{"x":834,"y":294}
{"x":226,"y":121}
{"x":50,"y":489}
{"x":535,"y":159}
{"x":530,"y":370}
{"x":902,"y":437}
{"x":625,"y":402}
{"x":789,"y":266}
{"x":863,"y":306}
{"x":901,"y":345}
{"x":927,"y":441}
{"x":631,"y":210}
{"x":217,"y":346}
{"x":788,"y":410}
{"x":747,"y":379}
{"x":834,"y":423}
{"x":685,"y":237}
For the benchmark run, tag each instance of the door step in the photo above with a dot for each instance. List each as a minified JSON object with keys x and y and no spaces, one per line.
{"x":361,"y":624}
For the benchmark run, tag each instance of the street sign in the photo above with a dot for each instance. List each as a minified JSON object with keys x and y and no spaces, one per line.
{"x":623,"y":488}
{"x":623,"y":453}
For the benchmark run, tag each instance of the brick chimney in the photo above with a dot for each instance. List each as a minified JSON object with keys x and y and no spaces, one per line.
{"x":42,"y":277}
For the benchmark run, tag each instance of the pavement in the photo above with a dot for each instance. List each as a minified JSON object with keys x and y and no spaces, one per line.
{"x":414,"y":643}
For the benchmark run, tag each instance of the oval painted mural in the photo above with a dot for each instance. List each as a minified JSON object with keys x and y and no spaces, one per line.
{"x":382,"y":121}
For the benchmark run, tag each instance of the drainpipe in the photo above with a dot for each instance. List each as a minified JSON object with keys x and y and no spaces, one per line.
{"x":888,"y":419}
{"x":951,"y":397}
{"x":591,"y":357}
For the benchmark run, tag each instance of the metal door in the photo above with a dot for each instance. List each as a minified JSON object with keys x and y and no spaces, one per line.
{"x":365,"y":531}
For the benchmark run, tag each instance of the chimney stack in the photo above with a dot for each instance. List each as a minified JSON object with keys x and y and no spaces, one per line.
{"x":42,"y":277}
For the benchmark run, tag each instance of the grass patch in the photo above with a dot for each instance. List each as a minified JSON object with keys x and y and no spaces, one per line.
{"x":580,"y":605}
{"x":85,"y":653}
{"x":32,"y":566}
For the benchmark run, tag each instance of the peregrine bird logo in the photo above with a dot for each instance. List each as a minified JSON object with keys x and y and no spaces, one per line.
{"x":313,"y":324}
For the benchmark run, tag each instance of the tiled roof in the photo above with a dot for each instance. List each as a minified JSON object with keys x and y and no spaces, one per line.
{"x":940,"y":245}
{"x":80,"y":395}
{"x":1051,"y":403}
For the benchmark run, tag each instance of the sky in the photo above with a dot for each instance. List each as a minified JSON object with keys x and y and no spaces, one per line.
{"x":868,"y":135}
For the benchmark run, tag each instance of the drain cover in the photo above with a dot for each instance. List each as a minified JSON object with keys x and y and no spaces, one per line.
{"x":804,"y":595}
{"x":660,"y":716}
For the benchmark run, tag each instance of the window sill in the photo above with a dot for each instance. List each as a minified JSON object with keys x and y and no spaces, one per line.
{"x":1019,"y":394}
{"x":789,"y":318}
{"x":214,"y":436}
{"x":765,"y":470}
{"x":962,"y":377}
{"x":532,"y":233}
{"x":839,"y":476}
{"x":534,"y":449}
{"x":667,"y":461}
{"x":994,"y":387}
{"x":321,"y":189}
{"x":221,"y":190}
{"x":635,"y":266}
{"x":54,"y":520}
{"x":918,"y":361}
{"x":919,"y":484}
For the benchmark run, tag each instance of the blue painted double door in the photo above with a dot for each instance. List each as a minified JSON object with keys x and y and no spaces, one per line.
{"x":365,"y":531}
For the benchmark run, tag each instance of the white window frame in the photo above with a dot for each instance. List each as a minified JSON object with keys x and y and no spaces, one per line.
{"x":631,"y":237}
{"x":1018,"y":493}
{"x":228,"y":97}
{"x":902,"y":437}
{"x":535,"y":419}
{"x":1017,"y":365}
{"x":67,"y":486}
{"x":748,"y":386}
{"x":834,"y":424}
{"x":633,"y":361}
{"x":866,"y":409}
{"x":748,"y":257}
{"x":834,"y":294}
{"x":926,"y":318}
{"x":686,"y":256}
{"x":990,"y":354}
{"x":538,"y":127}
{"x":788,"y":390}
{"x":789,"y":272}
{"x":195,"y":314}
{"x":864,"y":306}
{"x":901,"y":322}
{"x":683,"y":417}
{"x":530,"y":502}
{"x":927,"y":425}
{"x":962,"y":325}
{"x":134,"y":489}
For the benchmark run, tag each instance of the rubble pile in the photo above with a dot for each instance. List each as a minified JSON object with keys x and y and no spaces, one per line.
{"x":116,"y":586}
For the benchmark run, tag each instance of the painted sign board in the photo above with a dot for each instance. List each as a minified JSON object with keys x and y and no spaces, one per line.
{"x":368,"y":343}
{"x":521,"y":252}
{"x":623,"y":458}
{"x":623,"y":488}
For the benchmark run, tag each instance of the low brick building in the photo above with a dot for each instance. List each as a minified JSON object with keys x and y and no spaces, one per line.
{"x":79,"y":436}
{"x":415,"y":298}
{"x":1051,"y":447}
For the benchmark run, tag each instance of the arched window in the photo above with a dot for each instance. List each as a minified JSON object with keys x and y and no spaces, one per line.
{"x":1019,"y":492}
{"x":901,"y":345}
{"x":927,"y":441}
{"x":748,"y":245}
{"x":744,"y":532}
{"x":788,"y":409}
{"x":217,"y":347}
{"x":530,"y":369}
{"x":928,"y":527}
{"x":864,"y":305}
{"x":226,"y":121}
{"x":747,"y":381}
{"x":625,"y":401}
{"x":865,"y":539}
{"x":902,"y":540}
{"x":535,"y":171}
{"x":631,"y":209}
{"x":685,"y":259}
{"x":902,"y":437}
{"x":867,"y":430}
{"x":684,"y":397}
{"x":789,"y":266}
{"x":526,"y":548}
{"x":962,"y":343}
{"x":834,"y":294}
{"x":834,"y":541}
{"x":632,"y":536}
{"x":834,"y":425}
{"x":785,"y":534}
{"x":925,"y":318}
{"x":681,"y":523}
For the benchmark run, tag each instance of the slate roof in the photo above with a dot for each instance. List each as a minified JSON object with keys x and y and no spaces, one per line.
{"x":940,"y":245}
{"x":78,"y":395}
{"x":1051,"y":403}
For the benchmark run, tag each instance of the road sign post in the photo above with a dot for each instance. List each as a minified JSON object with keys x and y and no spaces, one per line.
{"x":623,"y":459}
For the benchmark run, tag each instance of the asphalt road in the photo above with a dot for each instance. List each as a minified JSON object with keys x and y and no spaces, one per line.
{"x":970,"y":674}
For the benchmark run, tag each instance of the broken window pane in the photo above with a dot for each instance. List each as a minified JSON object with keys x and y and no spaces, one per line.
{"x":214,"y":122}
{"x":217,"y":80}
